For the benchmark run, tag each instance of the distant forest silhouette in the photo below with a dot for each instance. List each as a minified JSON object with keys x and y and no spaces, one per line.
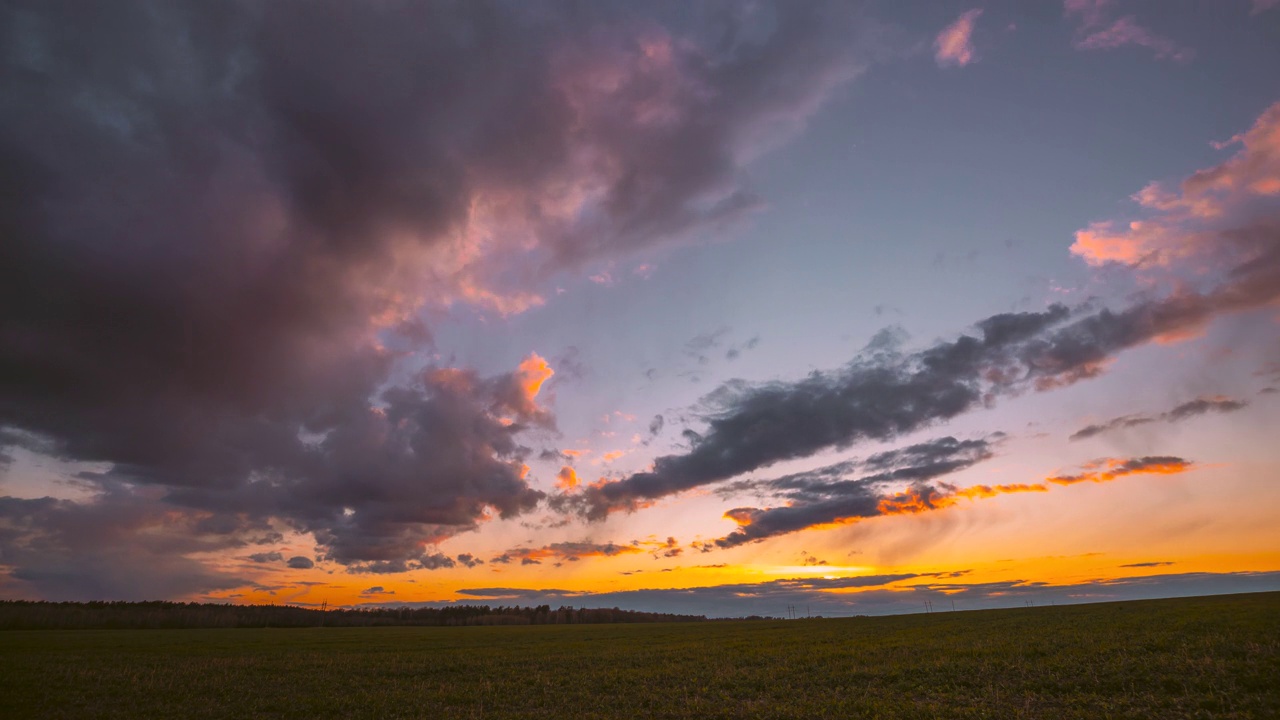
{"x":39,"y":615}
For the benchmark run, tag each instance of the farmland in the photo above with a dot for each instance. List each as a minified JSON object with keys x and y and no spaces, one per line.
{"x":1196,"y":657}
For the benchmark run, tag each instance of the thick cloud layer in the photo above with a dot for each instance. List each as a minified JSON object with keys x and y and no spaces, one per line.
{"x":876,"y":594}
{"x":118,"y":547}
{"x":222,"y":220}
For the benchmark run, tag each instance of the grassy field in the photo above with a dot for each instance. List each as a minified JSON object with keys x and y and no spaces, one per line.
{"x":1215,"y":657}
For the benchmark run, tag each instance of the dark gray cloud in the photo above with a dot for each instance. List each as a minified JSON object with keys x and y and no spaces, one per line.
{"x":1147,"y":564}
{"x":878,"y":396}
{"x":469,"y":560}
{"x":568,"y":551}
{"x":1189,"y":409}
{"x":837,"y":493}
{"x":1125,"y":421}
{"x":266,"y":557}
{"x":115,"y":548}
{"x":655,"y":425}
{"x":221,"y":219}
{"x":884,"y":393}
{"x":1200,"y":406}
{"x":878,"y":594}
{"x":298,"y":562}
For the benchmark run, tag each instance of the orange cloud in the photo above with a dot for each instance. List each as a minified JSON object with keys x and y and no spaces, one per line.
{"x":1113,"y":469}
{"x":985,"y":491}
{"x":531,"y":373}
{"x":567,"y":478}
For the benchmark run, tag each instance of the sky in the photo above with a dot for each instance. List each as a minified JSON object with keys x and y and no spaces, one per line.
{"x":713,"y":308}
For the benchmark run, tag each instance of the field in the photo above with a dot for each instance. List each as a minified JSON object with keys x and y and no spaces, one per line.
{"x":1214,"y":657}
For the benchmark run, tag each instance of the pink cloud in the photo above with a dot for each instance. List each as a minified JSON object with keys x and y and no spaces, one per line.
{"x":1215,"y":218}
{"x":1263,"y":5}
{"x":954,"y":45}
{"x":1098,"y":32}
{"x":1126,"y":31}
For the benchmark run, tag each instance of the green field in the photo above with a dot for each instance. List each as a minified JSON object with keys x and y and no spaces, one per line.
{"x":1214,"y":657}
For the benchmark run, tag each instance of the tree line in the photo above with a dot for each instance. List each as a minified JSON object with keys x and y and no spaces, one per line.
{"x":41,"y":615}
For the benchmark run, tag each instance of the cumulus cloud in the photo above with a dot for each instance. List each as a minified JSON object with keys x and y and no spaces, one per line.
{"x":298,"y":562}
{"x":1098,"y":31}
{"x":567,"y":478}
{"x":954,"y":45}
{"x":1189,"y":409}
{"x":228,"y":219}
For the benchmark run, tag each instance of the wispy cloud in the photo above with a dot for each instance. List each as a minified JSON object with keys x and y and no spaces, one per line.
{"x":1189,"y":409}
{"x":1098,"y":32}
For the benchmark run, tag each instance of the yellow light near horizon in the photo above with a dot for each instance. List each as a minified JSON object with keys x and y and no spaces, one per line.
{"x":828,"y":571}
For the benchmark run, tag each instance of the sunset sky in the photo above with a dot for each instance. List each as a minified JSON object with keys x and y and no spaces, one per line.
{"x":693,"y":307}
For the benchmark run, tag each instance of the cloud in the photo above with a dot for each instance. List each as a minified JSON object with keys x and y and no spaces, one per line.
{"x":1200,"y":406}
{"x":1126,"y":31}
{"x":1090,"y":12}
{"x":1098,"y":32}
{"x":376,"y":590}
{"x":1189,"y":409}
{"x":655,"y":425}
{"x":1125,"y":421}
{"x":420,"y":560}
{"x":114,"y":547}
{"x":880,"y":594}
{"x":700,"y":345}
{"x":568,"y":551}
{"x":1147,"y":564}
{"x":954,"y":45}
{"x":1263,"y":5}
{"x":266,"y":557}
{"x":229,"y":221}
{"x":298,"y":562}
{"x":844,"y":501}
{"x":469,"y":560}
{"x":567,"y":478}
{"x":884,"y":393}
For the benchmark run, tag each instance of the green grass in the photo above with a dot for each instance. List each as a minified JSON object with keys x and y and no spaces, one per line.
{"x":1214,"y":657}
